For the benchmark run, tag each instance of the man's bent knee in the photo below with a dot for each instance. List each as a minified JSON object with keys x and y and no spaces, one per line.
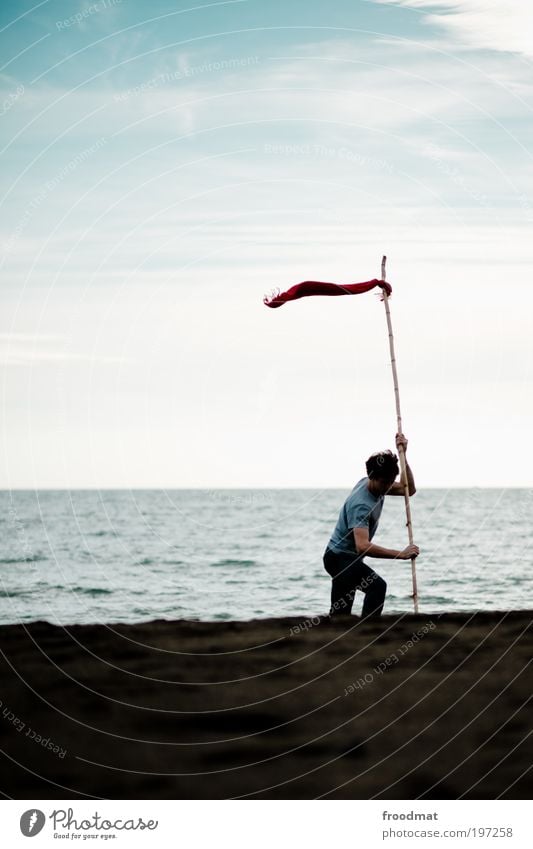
{"x":381,"y":586}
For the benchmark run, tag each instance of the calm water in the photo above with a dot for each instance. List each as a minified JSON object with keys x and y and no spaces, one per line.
{"x":127,"y":556}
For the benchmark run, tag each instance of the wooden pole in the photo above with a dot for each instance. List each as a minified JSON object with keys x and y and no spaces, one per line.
{"x":401,"y":452}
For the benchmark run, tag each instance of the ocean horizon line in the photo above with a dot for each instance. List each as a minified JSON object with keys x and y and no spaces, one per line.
{"x":239,"y":488}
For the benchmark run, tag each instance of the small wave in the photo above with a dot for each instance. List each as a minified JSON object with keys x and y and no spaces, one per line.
{"x":438,"y":599}
{"x":15,"y":593}
{"x":146,"y":561}
{"x":92,"y":591}
{"x":40,"y":585}
{"x":231,"y":562}
{"x":31,"y":559}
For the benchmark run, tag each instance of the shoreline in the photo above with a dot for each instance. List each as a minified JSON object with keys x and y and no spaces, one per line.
{"x":427,"y":706}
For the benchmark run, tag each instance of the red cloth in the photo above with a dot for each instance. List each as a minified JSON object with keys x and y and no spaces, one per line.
{"x":313,"y":287}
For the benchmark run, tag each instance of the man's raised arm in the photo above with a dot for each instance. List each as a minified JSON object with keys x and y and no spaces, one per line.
{"x":398,"y":488}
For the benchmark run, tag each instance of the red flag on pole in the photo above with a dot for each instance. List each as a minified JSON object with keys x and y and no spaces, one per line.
{"x":313,"y":287}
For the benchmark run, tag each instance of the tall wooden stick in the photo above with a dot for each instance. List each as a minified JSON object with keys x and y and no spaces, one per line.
{"x":401,"y":452}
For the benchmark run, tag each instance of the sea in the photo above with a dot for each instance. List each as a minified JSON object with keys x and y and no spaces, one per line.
{"x":109,"y":556}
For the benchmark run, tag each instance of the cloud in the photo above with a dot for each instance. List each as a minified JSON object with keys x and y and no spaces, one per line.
{"x":501,"y":25}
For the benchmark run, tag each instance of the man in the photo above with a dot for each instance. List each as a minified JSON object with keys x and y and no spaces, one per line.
{"x":357,"y":524}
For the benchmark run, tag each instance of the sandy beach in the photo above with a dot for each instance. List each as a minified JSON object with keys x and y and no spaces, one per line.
{"x":409,"y":707}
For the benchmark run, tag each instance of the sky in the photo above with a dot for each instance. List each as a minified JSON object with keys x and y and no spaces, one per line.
{"x":165,"y":165}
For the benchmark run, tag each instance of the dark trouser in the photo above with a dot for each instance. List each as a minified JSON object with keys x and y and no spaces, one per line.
{"x":348,"y":575}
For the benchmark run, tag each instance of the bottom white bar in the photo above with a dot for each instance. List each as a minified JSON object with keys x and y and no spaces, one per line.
{"x":264,"y":824}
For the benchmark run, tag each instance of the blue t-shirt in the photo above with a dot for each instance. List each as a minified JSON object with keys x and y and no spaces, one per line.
{"x":360,"y":510}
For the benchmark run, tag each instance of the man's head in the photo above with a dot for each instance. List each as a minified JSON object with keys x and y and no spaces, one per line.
{"x":382,"y":470}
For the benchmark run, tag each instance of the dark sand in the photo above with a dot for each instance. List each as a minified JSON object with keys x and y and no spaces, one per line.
{"x":254,"y":709}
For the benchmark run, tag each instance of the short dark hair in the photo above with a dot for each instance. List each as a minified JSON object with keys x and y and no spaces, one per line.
{"x":382,"y":465}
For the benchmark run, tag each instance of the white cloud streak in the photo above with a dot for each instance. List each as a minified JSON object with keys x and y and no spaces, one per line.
{"x":499,"y":25}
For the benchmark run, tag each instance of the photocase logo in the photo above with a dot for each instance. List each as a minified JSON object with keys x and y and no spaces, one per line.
{"x":31,"y":822}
